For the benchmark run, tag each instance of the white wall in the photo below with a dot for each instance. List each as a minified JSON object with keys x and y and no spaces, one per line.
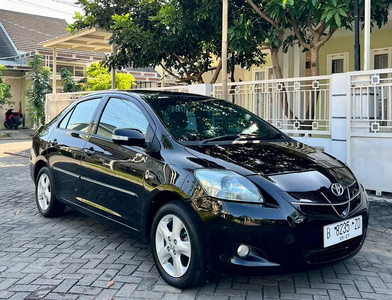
{"x":371,"y":162}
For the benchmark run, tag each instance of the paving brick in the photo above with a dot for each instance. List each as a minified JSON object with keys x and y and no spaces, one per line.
{"x":147,"y":295}
{"x":85,"y":290}
{"x":336,"y":295}
{"x":350,"y":291}
{"x":126,"y":290}
{"x":295,"y":296}
{"x":65,"y":286}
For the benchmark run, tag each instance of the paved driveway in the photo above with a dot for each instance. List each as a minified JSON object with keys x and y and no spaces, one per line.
{"x":75,"y":257}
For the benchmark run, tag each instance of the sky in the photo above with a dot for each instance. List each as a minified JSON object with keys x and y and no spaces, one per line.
{"x":64,"y":9}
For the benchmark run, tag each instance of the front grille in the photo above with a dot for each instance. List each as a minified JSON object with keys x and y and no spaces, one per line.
{"x":313,"y":196}
{"x":325,"y":255}
{"x":332,"y":204}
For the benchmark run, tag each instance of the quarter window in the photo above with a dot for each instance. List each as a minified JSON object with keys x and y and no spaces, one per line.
{"x":120,"y":113}
{"x":82,"y":115}
{"x":64,"y":122}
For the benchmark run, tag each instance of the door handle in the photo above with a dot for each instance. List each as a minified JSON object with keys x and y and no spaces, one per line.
{"x":90,"y":151}
{"x":54,"y":142}
{"x":149,"y":175}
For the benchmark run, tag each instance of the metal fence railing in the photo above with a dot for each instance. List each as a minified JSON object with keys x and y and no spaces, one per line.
{"x":55,"y":103}
{"x":295,"y":105}
{"x":371,"y":102}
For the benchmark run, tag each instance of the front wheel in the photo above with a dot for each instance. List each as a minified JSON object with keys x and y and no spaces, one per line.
{"x":7,"y":125}
{"x":47,"y":203}
{"x":177,"y":246}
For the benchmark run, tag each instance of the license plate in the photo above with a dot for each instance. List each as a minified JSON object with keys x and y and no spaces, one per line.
{"x":342,"y":231}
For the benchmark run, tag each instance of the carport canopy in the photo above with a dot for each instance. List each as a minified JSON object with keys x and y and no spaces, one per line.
{"x":89,"y":40}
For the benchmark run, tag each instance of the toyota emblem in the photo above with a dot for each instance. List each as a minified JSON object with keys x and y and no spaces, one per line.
{"x":337,"y":189}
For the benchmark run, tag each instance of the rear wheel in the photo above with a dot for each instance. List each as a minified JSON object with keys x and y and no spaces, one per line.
{"x":7,"y":125}
{"x":177,"y":246}
{"x":47,"y":204}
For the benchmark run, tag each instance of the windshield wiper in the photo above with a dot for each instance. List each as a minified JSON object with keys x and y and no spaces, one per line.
{"x":227,"y":137}
{"x":241,"y":136}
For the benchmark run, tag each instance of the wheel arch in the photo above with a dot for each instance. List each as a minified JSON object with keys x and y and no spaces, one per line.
{"x":159,"y":200}
{"x":38,"y":166}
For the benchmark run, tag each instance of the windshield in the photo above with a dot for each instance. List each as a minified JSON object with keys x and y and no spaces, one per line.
{"x":195,"y":119}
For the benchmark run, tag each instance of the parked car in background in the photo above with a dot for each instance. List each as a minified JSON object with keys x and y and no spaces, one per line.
{"x":211,"y":186}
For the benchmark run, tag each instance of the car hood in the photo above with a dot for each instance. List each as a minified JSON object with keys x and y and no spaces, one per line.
{"x":270,"y":158}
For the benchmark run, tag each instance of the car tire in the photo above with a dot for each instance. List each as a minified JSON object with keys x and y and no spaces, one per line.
{"x":46,"y":201}
{"x":178,"y":252}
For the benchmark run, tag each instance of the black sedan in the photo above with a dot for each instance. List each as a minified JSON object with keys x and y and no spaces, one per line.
{"x":212,"y":187}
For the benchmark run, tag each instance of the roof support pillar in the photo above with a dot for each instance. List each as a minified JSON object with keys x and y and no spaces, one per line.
{"x":224,"y":48}
{"x":54,"y":71}
{"x":113,"y":68}
{"x":368,"y":7}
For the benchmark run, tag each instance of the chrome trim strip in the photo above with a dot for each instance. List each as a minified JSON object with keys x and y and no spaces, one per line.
{"x":94,"y":212}
{"x":327,"y":204}
{"x":98,"y":206}
{"x":66,"y":172}
{"x":109,"y":186}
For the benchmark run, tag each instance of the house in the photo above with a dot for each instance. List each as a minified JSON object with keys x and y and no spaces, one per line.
{"x":21,"y":37}
{"x":336,"y":56}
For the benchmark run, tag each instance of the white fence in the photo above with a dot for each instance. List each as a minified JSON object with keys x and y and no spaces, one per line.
{"x":371,"y":99}
{"x":56,"y":103}
{"x":348,"y":115}
{"x":296,"y":105}
{"x":369,"y":134}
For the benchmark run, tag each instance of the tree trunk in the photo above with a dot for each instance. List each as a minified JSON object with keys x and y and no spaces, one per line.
{"x":232,"y":77}
{"x":275,"y":62}
{"x":314,"y":61}
{"x":200,"y":79}
{"x":278,"y":75}
{"x":315,"y":71}
{"x":217,"y":72}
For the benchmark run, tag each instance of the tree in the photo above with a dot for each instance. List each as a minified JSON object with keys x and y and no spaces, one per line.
{"x":313,"y":22}
{"x":272,"y":14}
{"x":40,"y":87}
{"x":5,"y":90}
{"x":70,"y":85}
{"x":182,"y":36}
{"x":99,"y":78}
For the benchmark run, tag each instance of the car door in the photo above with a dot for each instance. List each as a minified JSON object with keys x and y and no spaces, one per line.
{"x":112,"y":174}
{"x":67,"y":149}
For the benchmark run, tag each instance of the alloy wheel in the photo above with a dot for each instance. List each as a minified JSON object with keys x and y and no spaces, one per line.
{"x":44,"y":192}
{"x":173,"y":245}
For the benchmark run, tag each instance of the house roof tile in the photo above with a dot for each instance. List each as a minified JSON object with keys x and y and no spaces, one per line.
{"x":28,"y":31}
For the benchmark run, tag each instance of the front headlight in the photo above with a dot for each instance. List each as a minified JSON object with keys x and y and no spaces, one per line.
{"x":228,"y":185}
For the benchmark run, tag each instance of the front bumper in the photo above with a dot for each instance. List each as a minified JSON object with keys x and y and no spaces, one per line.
{"x":281,"y":238}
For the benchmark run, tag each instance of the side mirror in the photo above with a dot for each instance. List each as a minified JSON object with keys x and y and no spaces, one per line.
{"x":129,"y":137}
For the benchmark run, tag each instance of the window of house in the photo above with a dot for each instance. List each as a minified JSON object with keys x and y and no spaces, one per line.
{"x":381,"y":59}
{"x":120,"y":113}
{"x":82,"y":115}
{"x":337,"y":63}
{"x":79,"y":71}
{"x":75,"y":70}
{"x":60,"y":67}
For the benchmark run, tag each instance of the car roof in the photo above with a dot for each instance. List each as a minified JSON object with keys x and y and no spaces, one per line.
{"x":145,"y":94}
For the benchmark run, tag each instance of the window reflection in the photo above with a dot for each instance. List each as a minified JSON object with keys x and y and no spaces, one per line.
{"x":82,"y":115}
{"x":190,"y":120}
{"x":121,"y":113}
